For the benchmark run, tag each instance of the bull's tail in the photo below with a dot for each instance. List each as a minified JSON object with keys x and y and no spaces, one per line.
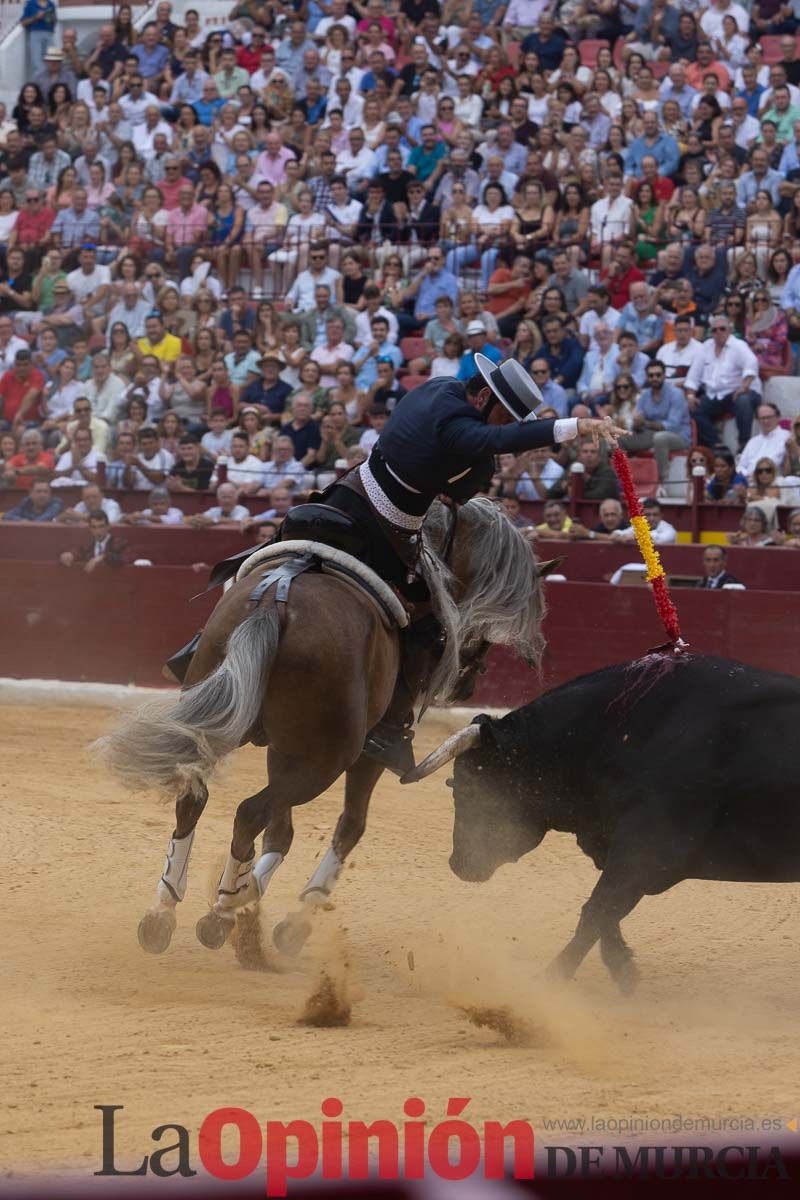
{"x":174,"y":745}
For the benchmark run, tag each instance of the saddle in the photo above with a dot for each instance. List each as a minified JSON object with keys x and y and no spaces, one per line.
{"x":307,"y":523}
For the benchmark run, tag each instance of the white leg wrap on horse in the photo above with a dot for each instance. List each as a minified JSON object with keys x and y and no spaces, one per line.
{"x":172,"y":887}
{"x":234,"y":883}
{"x":265,"y":868}
{"x":323,"y":881}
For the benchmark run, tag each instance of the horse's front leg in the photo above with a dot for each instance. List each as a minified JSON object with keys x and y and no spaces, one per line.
{"x":158,"y":924}
{"x":291,"y":934}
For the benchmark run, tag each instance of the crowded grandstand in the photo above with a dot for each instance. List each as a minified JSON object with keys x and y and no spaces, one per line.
{"x":231,"y":245}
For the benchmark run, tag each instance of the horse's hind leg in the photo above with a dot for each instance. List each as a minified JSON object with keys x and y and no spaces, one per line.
{"x":290,"y":934}
{"x":293,"y":781}
{"x":158,"y":924}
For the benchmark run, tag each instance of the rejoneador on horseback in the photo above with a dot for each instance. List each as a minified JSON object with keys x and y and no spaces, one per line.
{"x":384,"y":593}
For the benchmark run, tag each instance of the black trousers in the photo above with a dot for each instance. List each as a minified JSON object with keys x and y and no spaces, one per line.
{"x":382,"y":557}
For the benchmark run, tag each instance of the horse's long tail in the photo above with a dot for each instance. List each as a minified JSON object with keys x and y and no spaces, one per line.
{"x":174,"y":745}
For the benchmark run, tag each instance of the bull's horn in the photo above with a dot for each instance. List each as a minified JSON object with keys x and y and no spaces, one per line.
{"x":456,"y":744}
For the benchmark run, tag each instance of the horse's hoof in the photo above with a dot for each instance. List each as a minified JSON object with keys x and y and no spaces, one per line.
{"x":213,"y":930}
{"x":156,"y":930}
{"x":291,"y":934}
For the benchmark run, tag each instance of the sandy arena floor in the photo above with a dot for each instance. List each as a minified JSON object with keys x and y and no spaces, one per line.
{"x":88,"y":1018}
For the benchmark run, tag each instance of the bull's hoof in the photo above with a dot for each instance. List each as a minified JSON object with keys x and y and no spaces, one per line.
{"x":627,"y":978}
{"x":213,"y":930}
{"x":156,"y":930}
{"x":291,"y":934}
{"x":560,"y":971}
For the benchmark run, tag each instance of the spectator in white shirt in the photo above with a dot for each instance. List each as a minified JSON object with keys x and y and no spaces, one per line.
{"x":78,"y":464}
{"x":769,"y":442}
{"x":160,"y":511}
{"x":227,"y":510}
{"x":679,"y":355}
{"x":283,"y":470}
{"x":342,"y":216}
{"x":373,"y":308}
{"x":105,"y":390}
{"x":244,"y":469}
{"x":152,"y":463}
{"x":723,"y":379}
{"x":357,"y":163}
{"x":218,"y":439}
{"x":610,"y":218}
{"x":662,"y":533}
{"x":301,"y":294}
{"x":92,"y":501}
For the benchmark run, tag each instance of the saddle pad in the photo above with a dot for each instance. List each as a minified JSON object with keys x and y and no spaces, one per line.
{"x":337,"y":562}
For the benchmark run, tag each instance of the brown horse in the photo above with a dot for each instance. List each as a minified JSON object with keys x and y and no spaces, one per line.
{"x":310,"y":690}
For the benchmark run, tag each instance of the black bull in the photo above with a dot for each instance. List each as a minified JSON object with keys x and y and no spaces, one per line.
{"x":666,"y":768}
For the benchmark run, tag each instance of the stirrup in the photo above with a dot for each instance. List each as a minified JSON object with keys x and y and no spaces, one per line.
{"x":389,"y":744}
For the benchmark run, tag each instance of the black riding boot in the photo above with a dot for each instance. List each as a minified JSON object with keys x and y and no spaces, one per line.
{"x":389,"y":742}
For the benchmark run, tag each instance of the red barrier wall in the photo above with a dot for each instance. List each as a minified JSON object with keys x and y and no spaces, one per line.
{"x":118,"y":626}
{"x":162,"y":545}
{"x":774,"y":568}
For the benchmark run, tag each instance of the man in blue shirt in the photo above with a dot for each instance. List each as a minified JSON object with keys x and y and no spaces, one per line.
{"x":562,"y":354}
{"x":152,"y":56}
{"x":39,"y":19}
{"x":752,"y":90}
{"x":553,"y":393}
{"x":661,"y":421}
{"x":39,"y":505}
{"x":637,"y":317}
{"x":425,"y":158}
{"x":660,"y":146}
{"x":379,"y":349}
{"x":209,"y":104}
{"x":547,"y":43}
{"x":476,"y":340}
{"x":269,"y":391}
{"x":188,"y":87}
{"x":432,"y":281}
{"x":675,"y":87}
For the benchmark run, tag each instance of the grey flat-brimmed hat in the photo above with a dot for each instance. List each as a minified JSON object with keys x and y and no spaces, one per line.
{"x":512,"y":385}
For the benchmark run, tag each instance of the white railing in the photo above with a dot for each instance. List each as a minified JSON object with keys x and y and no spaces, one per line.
{"x":10,"y":13}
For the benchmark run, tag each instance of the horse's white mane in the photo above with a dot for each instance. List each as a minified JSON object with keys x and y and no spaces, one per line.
{"x":498,"y":597}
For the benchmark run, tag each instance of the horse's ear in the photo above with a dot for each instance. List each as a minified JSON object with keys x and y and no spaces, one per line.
{"x":551,"y":565}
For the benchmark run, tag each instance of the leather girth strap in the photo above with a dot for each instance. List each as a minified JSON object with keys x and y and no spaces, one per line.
{"x":282,"y":576}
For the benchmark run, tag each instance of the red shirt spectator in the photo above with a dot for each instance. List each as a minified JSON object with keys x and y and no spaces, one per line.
{"x":249,"y":57}
{"x":21,"y":391}
{"x":620,"y":273}
{"x":170,"y":187}
{"x":25,"y":478}
{"x":662,"y":187}
{"x":34,"y":221}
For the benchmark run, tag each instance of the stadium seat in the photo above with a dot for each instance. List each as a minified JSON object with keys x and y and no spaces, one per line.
{"x":412,"y":347}
{"x":589,"y":50}
{"x":659,"y":67}
{"x":645,"y":475}
{"x":673,"y":489}
{"x":412,"y":381}
{"x":513,"y":52}
{"x":771,"y":47}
